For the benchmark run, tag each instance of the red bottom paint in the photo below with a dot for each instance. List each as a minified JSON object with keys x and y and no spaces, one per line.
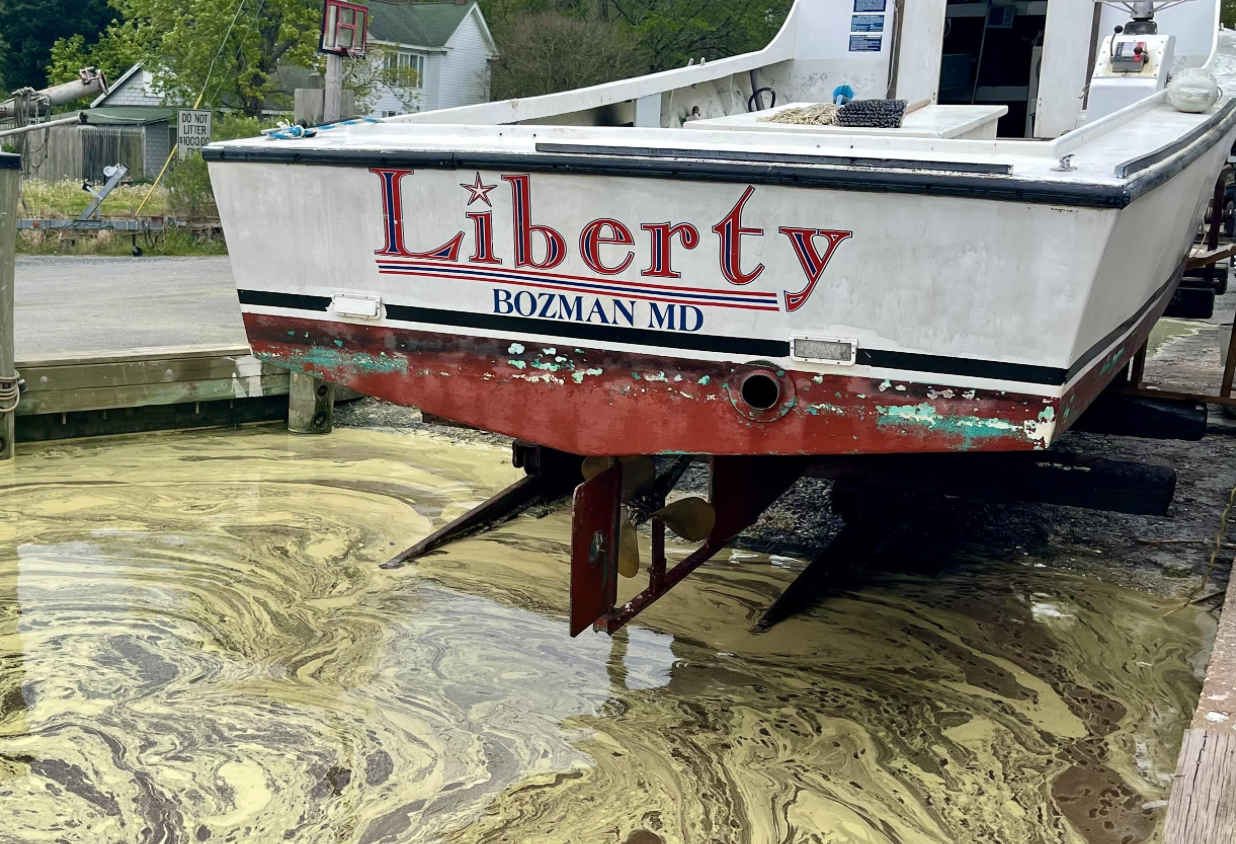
{"x":596,"y":402}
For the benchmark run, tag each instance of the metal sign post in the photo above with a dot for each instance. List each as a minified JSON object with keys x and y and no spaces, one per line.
{"x":10,"y":184}
{"x":193,"y":130}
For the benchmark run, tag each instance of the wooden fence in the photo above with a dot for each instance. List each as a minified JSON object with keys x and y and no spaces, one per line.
{"x":79,"y":153}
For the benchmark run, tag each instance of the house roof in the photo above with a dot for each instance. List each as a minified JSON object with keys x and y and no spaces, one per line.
{"x":99,"y":100}
{"x":128,"y":115}
{"x":416,"y":24}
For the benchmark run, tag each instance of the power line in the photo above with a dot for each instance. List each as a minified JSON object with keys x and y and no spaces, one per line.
{"x":205,"y":83}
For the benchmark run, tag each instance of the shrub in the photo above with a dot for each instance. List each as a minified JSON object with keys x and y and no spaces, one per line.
{"x":190,"y":194}
{"x":549,"y":52}
{"x":188,"y":189}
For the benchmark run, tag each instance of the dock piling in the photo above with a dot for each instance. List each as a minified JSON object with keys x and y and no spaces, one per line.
{"x":10,"y":185}
{"x":311,"y":405}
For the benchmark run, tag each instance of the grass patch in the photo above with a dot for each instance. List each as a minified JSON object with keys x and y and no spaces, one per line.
{"x":172,"y":242}
{"x":67,"y":199}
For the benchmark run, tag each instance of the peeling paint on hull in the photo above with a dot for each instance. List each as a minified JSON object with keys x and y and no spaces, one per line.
{"x":597,"y":402}
{"x":600,"y":402}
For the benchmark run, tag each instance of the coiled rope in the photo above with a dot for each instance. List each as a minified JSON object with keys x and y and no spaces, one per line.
{"x":10,"y":394}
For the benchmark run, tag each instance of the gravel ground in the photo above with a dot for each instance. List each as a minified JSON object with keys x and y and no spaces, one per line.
{"x":1163,"y":555}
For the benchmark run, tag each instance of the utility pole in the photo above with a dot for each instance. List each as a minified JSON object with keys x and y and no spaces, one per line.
{"x":10,"y":185}
{"x":333,"y":102}
{"x":311,"y":401}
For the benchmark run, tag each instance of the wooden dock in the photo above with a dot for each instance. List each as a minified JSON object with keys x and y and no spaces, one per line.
{"x":119,"y":346}
{"x":113,"y":392}
{"x":1202,"y":809}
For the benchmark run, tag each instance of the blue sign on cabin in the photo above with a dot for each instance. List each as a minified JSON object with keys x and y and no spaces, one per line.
{"x":864,"y":43}
{"x":869,"y":5}
{"x":867,"y":23}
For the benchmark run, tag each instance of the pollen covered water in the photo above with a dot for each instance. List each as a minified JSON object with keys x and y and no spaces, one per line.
{"x":197,"y":644}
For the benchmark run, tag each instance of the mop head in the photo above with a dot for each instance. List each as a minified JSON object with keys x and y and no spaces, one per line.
{"x":842,"y":94}
{"x":814,"y":115}
{"x":872,"y":114}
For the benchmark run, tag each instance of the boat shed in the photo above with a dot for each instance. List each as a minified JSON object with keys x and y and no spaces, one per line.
{"x":139,"y":137}
{"x":156,"y":128}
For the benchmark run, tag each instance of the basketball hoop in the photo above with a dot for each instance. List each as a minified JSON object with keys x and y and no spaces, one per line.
{"x":344,"y":28}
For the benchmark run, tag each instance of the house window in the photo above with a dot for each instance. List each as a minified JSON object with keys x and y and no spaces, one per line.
{"x":388,"y":113}
{"x":405,"y":70}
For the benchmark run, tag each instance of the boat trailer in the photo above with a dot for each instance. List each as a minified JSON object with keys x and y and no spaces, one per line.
{"x":875,"y":496}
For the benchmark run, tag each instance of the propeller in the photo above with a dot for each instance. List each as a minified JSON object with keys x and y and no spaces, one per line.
{"x":690,"y":518}
{"x":628,"y":550}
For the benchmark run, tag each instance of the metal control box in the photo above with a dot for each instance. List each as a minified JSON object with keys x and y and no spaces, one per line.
{"x":1128,"y":68}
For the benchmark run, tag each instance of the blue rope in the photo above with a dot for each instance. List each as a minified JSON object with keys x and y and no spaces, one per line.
{"x":291,"y":133}
{"x":353,"y":122}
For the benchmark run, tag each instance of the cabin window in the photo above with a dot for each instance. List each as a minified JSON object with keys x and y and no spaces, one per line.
{"x":992,"y":55}
{"x":405,"y":70}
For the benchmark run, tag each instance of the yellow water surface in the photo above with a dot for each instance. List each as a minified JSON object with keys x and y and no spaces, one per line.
{"x":197,"y":644}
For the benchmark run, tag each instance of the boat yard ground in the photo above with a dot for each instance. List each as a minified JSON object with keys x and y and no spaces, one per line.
{"x":196,"y":641}
{"x":91,"y":304}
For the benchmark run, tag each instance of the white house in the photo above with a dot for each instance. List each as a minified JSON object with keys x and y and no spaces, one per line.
{"x":443,"y":49}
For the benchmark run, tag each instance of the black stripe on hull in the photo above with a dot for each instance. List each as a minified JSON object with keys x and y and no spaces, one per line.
{"x":739,"y":346}
{"x":969,"y":186}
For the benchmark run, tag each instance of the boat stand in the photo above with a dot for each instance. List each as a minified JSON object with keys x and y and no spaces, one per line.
{"x":873,"y":518}
{"x":741,"y":489}
{"x":550,"y":475}
{"x":874,"y":494}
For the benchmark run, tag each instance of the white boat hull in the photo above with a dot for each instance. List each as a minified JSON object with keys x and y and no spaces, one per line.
{"x":937,"y":293}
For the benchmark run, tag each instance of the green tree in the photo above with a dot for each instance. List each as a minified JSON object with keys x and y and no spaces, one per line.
{"x":228,"y":49}
{"x":672,"y":32}
{"x":31,"y":27}
{"x":548,"y":52}
{"x":111,"y":55}
{"x":653,"y":34}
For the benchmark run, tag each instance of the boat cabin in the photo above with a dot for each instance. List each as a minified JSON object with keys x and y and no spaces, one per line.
{"x":1026,"y":63}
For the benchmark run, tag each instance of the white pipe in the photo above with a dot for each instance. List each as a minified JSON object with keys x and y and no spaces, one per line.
{"x":80,"y":117}
{"x":90,"y":82}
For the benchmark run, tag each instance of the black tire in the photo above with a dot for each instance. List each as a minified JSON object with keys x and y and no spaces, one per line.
{"x":1229,"y":217}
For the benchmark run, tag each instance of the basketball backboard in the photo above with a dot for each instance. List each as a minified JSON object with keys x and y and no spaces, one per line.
{"x":344,"y":28}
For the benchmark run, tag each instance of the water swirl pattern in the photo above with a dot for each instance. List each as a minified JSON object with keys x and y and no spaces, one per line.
{"x":197,"y":644}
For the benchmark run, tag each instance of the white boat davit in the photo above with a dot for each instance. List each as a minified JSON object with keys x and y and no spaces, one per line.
{"x":652,"y":266}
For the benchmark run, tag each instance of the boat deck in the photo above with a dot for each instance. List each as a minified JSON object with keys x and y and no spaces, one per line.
{"x":1112,"y":152}
{"x":932,"y":121}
